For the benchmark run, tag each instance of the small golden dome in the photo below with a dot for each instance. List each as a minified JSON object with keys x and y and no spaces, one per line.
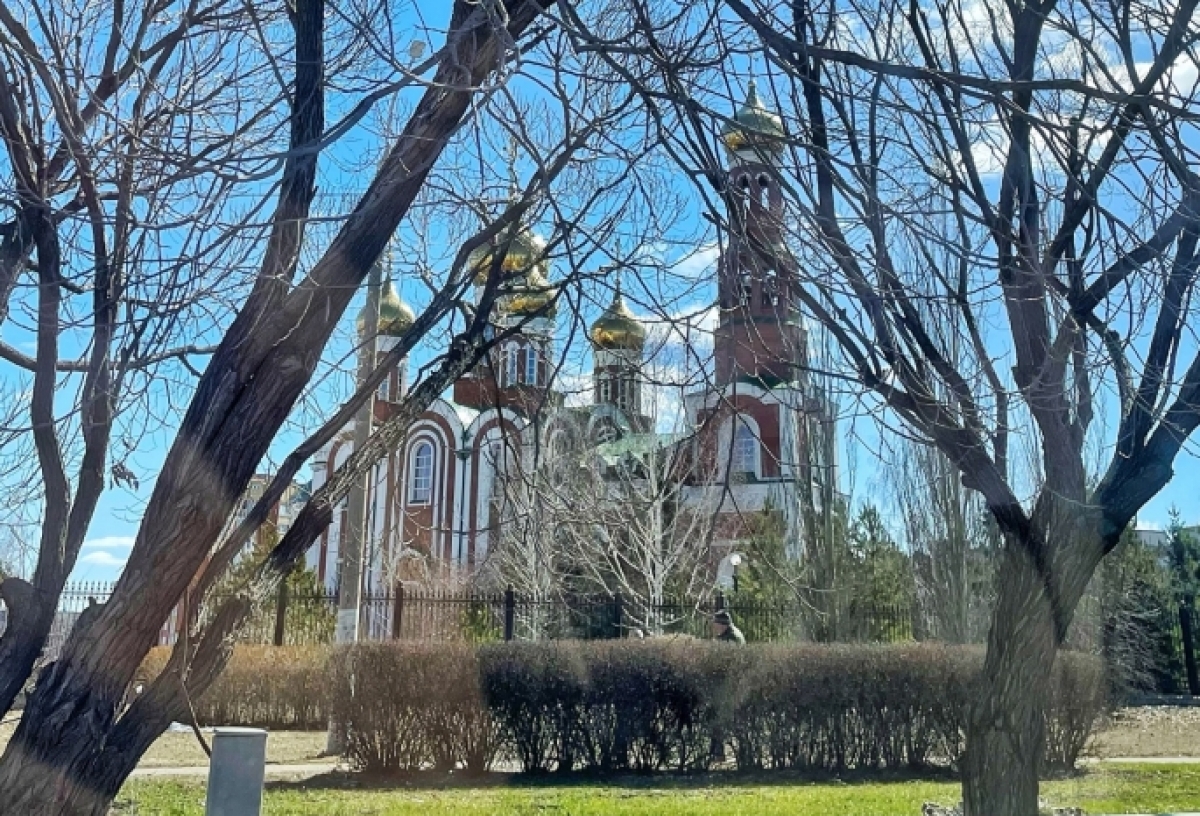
{"x":525,"y":251}
{"x":395,"y":316}
{"x":754,"y":125}
{"x":617,"y":328}
{"x":529,"y":297}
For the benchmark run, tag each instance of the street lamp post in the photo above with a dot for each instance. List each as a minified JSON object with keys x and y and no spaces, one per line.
{"x":735,"y":561}
{"x":464,"y":455}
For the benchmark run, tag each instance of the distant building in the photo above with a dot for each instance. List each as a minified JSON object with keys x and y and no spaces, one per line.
{"x":281,"y":515}
{"x":760,"y":437}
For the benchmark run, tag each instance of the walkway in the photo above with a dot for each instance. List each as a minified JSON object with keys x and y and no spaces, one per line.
{"x":299,"y":770}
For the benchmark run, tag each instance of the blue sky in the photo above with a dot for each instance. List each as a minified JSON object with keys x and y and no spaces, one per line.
{"x":116,"y":519}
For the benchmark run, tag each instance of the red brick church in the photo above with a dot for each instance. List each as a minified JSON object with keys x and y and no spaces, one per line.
{"x":759,"y":434}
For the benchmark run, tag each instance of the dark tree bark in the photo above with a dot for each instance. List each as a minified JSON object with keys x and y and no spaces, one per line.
{"x":884,"y":138}
{"x":53,"y":764}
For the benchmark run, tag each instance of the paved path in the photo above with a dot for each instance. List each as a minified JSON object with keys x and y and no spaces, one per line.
{"x":299,"y":770}
{"x":1179,"y":760}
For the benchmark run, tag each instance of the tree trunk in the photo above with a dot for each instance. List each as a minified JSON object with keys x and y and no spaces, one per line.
{"x":1187,"y":632}
{"x":48,"y":772}
{"x":1005,"y":724}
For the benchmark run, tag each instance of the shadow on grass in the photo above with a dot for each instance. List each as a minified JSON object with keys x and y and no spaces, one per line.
{"x":659,"y":780}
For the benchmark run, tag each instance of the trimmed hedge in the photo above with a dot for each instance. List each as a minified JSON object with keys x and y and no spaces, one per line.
{"x":404,"y":706}
{"x":633,"y":705}
{"x":657,"y":705}
{"x":276,"y":687}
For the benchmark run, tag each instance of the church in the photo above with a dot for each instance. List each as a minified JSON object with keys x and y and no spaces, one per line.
{"x":759,"y":437}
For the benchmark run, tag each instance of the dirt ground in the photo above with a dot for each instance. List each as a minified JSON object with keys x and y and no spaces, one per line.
{"x":180,"y":749}
{"x":1153,"y":731}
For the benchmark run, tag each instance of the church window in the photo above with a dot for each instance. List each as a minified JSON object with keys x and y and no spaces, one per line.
{"x":531,"y":366}
{"x":510,"y":366}
{"x":745,"y":451}
{"x":764,"y":181}
{"x":745,"y":288}
{"x":770,"y":290}
{"x":422,"y":474}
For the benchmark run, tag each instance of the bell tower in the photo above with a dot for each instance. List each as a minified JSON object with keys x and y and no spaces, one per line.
{"x":618,"y":342}
{"x":759,"y":337}
{"x":517,"y":373}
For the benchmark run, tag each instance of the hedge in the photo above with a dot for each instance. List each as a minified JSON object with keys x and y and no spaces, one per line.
{"x":276,"y":687}
{"x":656,"y":705}
{"x":633,"y":705}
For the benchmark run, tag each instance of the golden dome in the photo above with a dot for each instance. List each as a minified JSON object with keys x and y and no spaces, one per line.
{"x":617,"y":328}
{"x":525,"y":251}
{"x":529,"y":296}
{"x":395,"y":316}
{"x":754,"y":125}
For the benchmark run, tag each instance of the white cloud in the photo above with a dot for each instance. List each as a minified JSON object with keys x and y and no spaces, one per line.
{"x":1180,"y":81}
{"x":699,"y":263}
{"x":109,"y":543}
{"x":691,"y":326}
{"x":101,"y":558}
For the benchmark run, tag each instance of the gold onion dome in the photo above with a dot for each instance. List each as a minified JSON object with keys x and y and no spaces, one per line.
{"x":395,"y":316}
{"x":617,"y":328}
{"x":526,"y":251}
{"x":531,"y":296}
{"x":753,"y":125}
{"x":526,"y":292}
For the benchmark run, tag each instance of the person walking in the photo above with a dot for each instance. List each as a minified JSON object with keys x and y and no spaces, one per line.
{"x":723,"y":628}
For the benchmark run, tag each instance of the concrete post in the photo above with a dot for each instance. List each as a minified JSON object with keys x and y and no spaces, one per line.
{"x":235,"y":773}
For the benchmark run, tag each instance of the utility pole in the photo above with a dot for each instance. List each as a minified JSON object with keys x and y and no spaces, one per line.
{"x":350,"y":553}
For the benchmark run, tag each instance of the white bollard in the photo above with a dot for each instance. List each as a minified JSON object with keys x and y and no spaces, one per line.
{"x":235,"y":773}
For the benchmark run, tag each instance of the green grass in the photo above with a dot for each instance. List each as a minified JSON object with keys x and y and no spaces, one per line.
{"x":1117,"y":789}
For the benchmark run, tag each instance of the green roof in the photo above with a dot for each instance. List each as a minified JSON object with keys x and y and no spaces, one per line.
{"x":639,"y":445}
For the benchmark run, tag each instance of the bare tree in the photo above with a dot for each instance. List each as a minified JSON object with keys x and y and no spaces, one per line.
{"x":74,"y":746}
{"x":622,"y":523}
{"x":950,"y":541}
{"x":1056,"y":139}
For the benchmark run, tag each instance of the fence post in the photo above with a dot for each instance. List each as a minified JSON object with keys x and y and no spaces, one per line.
{"x":398,"y":611}
{"x":510,"y":612}
{"x":618,"y":614}
{"x":281,"y":601}
{"x":720,"y":599}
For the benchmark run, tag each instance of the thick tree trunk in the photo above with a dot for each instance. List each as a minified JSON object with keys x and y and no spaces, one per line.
{"x":1005,"y":727}
{"x":56,"y":763}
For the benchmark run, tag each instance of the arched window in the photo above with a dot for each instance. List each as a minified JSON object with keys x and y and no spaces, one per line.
{"x":745,"y":451}
{"x":770,"y":289}
{"x":421,"y":481}
{"x":531,"y":366}
{"x":745,"y":288}
{"x":511,"y":365}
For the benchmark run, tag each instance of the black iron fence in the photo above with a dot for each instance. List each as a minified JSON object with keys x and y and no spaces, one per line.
{"x":309,"y":618}
{"x":293,"y":618}
{"x":477,"y":617}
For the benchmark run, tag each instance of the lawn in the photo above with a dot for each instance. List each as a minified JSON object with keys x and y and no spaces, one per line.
{"x":1118,"y":789}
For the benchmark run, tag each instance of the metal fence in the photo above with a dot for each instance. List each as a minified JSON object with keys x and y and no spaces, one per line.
{"x":479,"y":617}
{"x":421,"y":614}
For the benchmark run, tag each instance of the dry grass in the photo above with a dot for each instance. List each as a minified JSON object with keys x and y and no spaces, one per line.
{"x":180,"y":749}
{"x":1158,"y":731}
